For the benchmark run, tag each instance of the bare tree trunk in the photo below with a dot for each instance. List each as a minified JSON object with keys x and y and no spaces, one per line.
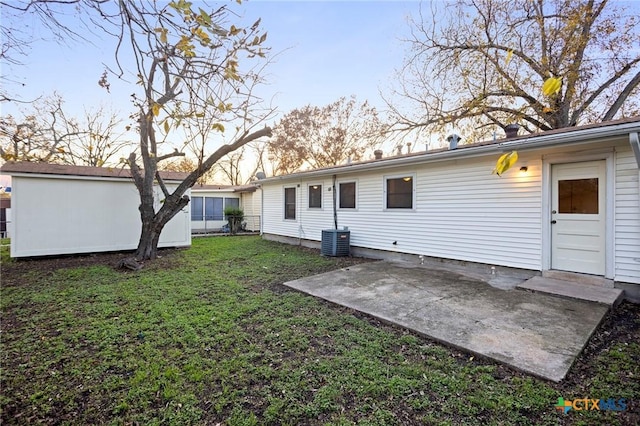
{"x":148,"y":244}
{"x":153,"y":223}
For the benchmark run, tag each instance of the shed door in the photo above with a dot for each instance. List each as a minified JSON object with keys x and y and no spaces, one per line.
{"x":578,"y":217}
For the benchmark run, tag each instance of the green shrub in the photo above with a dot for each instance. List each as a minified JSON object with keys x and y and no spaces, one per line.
{"x":234,"y":216}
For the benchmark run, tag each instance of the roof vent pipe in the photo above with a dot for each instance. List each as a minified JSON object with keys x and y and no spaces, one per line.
{"x":453,"y":141}
{"x":511,"y":130}
{"x":377,"y":154}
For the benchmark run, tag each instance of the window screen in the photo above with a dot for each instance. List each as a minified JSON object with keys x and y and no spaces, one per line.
{"x":315,"y":196}
{"x":348,"y":195}
{"x":289,"y":203}
{"x":213,"y":208}
{"x":400,"y":193}
{"x":196,"y":208}
{"x":232,"y":202}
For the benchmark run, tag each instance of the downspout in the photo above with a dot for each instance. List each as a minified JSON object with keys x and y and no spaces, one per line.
{"x":261,"y":210}
{"x":335,"y":207}
{"x":299,"y":211}
{"x":635,"y":146}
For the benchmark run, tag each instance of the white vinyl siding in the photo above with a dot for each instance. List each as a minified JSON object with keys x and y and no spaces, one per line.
{"x":627,"y":217}
{"x":461,"y":211}
{"x":55,"y":215}
{"x":309,"y":223}
{"x":251,"y":203}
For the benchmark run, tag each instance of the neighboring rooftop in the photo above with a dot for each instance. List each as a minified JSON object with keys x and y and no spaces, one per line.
{"x":234,"y":188}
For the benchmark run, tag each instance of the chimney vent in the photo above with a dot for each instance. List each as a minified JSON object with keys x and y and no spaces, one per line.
{"x":511,"y":130}
{"x":377,"y":154}
{"x":453,"y":141}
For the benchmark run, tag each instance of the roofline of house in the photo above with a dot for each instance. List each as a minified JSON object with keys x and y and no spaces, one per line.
{"x":574,"y":137}
{"x":224,"y":188}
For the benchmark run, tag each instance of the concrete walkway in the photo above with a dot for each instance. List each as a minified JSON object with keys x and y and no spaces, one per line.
{"x":533,"y":332}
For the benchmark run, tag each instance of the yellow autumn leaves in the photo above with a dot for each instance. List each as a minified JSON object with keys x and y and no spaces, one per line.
{"x":505,"y":162}
{"x":552,"y":86}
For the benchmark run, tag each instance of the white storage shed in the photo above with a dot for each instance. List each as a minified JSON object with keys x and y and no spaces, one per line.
{"x":61,"y":209}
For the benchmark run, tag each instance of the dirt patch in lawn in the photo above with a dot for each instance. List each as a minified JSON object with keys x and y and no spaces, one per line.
{"x":12,"y":271}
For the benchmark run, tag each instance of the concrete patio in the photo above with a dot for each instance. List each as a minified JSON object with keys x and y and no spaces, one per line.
{"x":537,"y":333}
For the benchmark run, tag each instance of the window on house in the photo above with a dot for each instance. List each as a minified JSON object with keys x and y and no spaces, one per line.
{"x":232,"y":202}
{"x":196,"y":208}
{"x":213,"y":208}
{"x":289,"y":203}
{"x":578,"y":196}
{"x":399,"y":192}
{"x":315,"y":196}
{"x":347,"y":195}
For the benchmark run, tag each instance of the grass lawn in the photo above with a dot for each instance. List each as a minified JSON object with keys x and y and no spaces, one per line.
{"x":209,"y":336}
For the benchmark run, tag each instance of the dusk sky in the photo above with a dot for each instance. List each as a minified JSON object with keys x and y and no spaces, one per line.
{"x":328,"y":49}
{"x":325,"y":50}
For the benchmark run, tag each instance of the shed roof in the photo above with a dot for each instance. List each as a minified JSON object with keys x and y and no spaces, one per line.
{"x":67,"y":170}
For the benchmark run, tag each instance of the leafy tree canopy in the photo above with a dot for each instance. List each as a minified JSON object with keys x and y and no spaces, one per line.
{"x":325,"y":136}
{"x":482,"y":64}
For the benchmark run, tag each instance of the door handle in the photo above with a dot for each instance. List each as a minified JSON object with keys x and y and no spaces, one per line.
{"x":553,"y":222}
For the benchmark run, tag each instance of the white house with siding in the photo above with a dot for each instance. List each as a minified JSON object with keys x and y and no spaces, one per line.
{"x":209,"y":201}
{"x":570,"y":203}
{"x":59,"y":209}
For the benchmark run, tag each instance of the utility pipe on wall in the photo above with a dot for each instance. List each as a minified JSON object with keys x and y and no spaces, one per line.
{"x":335,"y":208}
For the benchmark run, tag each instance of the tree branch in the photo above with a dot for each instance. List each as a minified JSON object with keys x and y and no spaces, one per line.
{"x":622,"y":97}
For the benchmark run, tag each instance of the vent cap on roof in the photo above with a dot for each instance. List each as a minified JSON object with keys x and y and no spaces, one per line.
{"x":511,"y":130}
{"x":453,"y":140}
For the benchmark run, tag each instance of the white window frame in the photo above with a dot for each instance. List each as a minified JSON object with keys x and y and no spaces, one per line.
{"x":309,"y":187}
{"x":413,"y":191}
{"x":284,"y":203}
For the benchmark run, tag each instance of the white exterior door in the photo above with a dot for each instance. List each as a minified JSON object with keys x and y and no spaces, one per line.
{"x":578,"y":222}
